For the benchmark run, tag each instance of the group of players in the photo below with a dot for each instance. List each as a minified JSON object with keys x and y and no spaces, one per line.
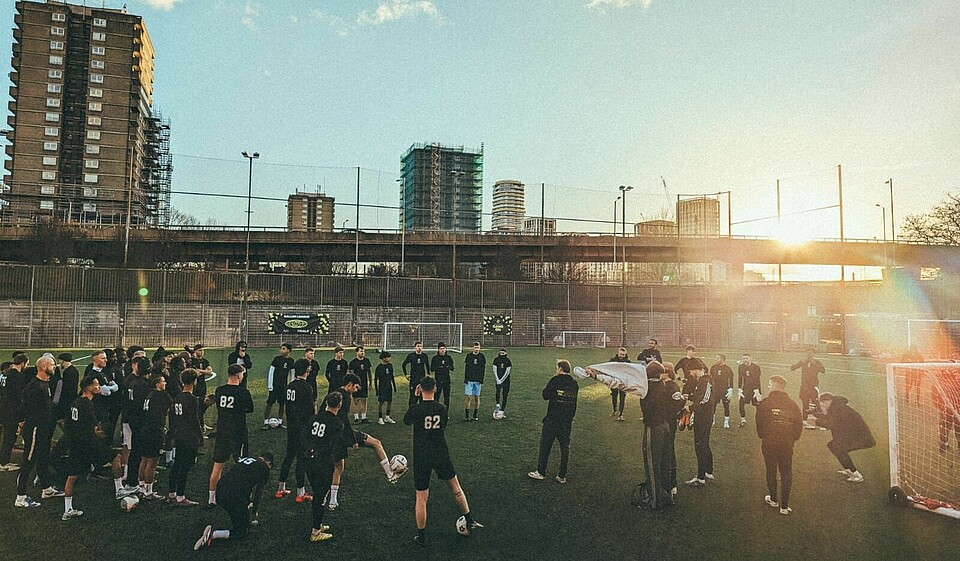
{"x":687,"y":394}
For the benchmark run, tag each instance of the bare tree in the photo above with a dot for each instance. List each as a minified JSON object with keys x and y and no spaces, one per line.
{"x":180,"y":218}
{"x":940,"y":226}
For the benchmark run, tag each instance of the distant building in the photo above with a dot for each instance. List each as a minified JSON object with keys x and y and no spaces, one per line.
{"x":441,"y":188}
{"x":508,"y":206}
{"x":310,"y":212}
{"x":699,"y":216}
{"x":86,"y":145}
{"x":538,"y":226}
{"x":656,"y":228}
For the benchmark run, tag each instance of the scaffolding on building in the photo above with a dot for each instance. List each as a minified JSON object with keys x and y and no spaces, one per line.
{"x":158,"y":172}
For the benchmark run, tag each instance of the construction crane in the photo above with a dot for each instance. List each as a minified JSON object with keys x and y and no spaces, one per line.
{"x":666,"y":192}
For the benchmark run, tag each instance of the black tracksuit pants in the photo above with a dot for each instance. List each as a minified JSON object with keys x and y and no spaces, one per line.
{"x":779,"y":457}
{"x":559,"y":431}
{"x":321,"y":476}
{"x":702,"y":427}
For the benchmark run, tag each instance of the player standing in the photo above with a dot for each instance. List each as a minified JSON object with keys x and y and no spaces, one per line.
{"x":37,"y":430}
{"x":810,"y":370}
{"x":385,"y":385}
{"x":703,"y":406}
{"x":137,"y":387}
{"x":430,"y":453}
{"x":11,"y":408}
{"x":442,"y":365}
{"x":280,"y":369}
{"x":336,"y":370}
{"x":418,"y":369}
{"x":233,"y":404}
{"x":748,"y":384}
{"x":474,"y":369}
{"x":320,"y":441}
{"x":238,"y":489}
{"x":616,"y":394}
{"x":204,"y":370}
{"x":651,"y":353}
{"x":362,"y":368}
{"x":187,"y":433}
{"x":501,"y":375}
{"x":310,"y":353}
{"x":779,"y":424}
{"x":561,"y":396}
{"x":686,"y":363}
{"x":155,"y":408}
{"x":299,"y":412}
{"x":723,"y":385}
{"x":242,"y":357}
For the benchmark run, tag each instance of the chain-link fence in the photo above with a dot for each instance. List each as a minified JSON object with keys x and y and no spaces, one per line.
{"x":43,"y":306}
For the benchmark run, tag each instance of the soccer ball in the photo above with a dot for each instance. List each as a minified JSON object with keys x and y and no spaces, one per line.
{"x":398,"y":464}
{"x":274,"y":422}
{"x":462,"y":527}
{"x":129,"y":503}
{"x":497,"y":414}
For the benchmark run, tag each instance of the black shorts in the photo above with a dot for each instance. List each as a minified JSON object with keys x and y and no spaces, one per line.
{"x":151,"y":442}
{"x":278,"y":395}
{"x":228,"y":445}
{"x":425,"y":464}
{"x":385,"y":394}
{"x":91,"y":454}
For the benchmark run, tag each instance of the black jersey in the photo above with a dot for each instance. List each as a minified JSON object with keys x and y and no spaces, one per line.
{"x":299,"y":403}
{"x":233,"y":404}
{"x":312,"y":378}
{"x":322,"y":437}
{"x":429,"y":420}
{"x":418,"y":367}
{"x":362,"y":369}
{"x":137,"y":389}
{"x":722,"y":378}
{"x":238,"y":483}
{"x":336,"y":370}
{"x":649,"y":355}
{"x":561,"y":395}
{"x":37,"y":405}
{"x":617,"y":358}
{"x":65,"y":387}
{"x":349,"y":438}
{"x":185,"y":421}
{"x":748,"y":378}
{"x":476,"y":366}
{"x":11,"y":392}
{"x":442,"y":366}
{"x":200,"y":364}
{"x":686,"y":364}
{"x":384,"y":377}
{"x":279,"y":373}
{"x":155,"y":408}
{"x":501,"y":368}
{"x":80,"y":424}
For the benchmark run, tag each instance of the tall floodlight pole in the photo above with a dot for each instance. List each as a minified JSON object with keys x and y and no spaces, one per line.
{"x":893,"y":229}
{"x":615,"y":234}
{"x":246,"y":268}
{"x":623,"y":280}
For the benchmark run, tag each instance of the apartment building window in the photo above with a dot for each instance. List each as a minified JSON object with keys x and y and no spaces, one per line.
{"x":58,"y":17}
{"x":58,"y":60}
{"x":91,"y":120}
{"x":93,"y":148}
{"x":99,"y":51}
{"x":91,"y":164}
{"x":54,"y":88}
{"x":49,"y":145}
{"x":96,"y":78}
{"x":89,"y":207}
{"x":93,"y":135}
{"x":49,"y":160}
{"x":56,"y":45}
{"x":51,"y":175}
{"x":95,"y":106}
{"x":59,"y":31}
{"x":89,"y":191}
{"x":52,"y":118}
{"x":51,"y":131}
{"x":54,"y":73}
{"x":99,"y":22}
{"x":46,"y":205}
{"x":53,"y":102}
{"x":90,"y":178}
{"x":48,"y":190}
{"x":95,"y":92}
{"x":97,"y":64}
{"x":99,"y":36}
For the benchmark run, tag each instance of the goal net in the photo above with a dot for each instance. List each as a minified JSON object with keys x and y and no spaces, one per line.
{"x":402,"y":336}
{"x":934,"y":338}
{"x":923,"y":402}
{"x":582,"y":339}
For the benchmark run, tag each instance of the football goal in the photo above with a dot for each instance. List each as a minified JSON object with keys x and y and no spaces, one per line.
{"x":582,"y":339}
{"x":401,"y":336}
{"x":934,"y":338}
{"x":923,"y":402}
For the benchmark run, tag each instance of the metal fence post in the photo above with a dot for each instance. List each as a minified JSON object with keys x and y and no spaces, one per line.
{"x":33,"y":282}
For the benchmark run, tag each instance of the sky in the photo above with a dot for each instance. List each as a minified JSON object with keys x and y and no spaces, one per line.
{"x":579,"y":95}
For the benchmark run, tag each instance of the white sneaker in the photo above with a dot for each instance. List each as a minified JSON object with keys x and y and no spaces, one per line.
{"x":380,"y":421}
{"x":389,"y":420}
{"x":126,"y":492}
{"x":767,"y":499}
{"x":673,"y":492}
{"x":743,"y":422}
{"x":711,"y":477}
{"x":51,"y":492}
{"x":695,"y":482}
{"x":845,"y":472}
{"x":787,"y":510}
{"x":856,"y":477}
{"x":332,"y":506}
{"x":809,"y":426}
{"x":9,"y":467}
{"x":536,"y":475}
{"x":726,"y":423}
{"x":204,"y":539}
{"x":72,"y":513}
{"x":26,"y":502}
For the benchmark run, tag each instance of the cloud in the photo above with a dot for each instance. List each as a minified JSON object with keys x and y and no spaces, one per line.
{"x":399,"y":9}
{"x":600,"y":5}
{"x":333,"y":22}
{"x":294,"y":19}
{"x":250,"y":11}
{"x":165,"y":5}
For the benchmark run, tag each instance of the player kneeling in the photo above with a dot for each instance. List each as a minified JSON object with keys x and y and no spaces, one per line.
{"x":236,"y":490}
{"x":429,"y":419}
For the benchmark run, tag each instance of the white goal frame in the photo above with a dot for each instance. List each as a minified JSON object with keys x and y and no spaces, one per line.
{"x":900,"y":489}
{"x":602,"y":334}
{"x":911,"y":337}
{"x":453,"y":345}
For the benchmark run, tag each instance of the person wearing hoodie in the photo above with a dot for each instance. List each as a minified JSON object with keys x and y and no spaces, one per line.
{"x":241,"y":357}
{"x":850,"y":432}
{"x":779,"y":424}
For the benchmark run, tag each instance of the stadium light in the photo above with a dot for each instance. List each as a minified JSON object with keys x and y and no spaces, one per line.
{"x":246,"y":270}
{"x":623,"y":280}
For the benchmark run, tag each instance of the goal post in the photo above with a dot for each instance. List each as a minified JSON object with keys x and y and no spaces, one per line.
{"x":923,"y":402}
{"x":934,"y":338}
{"x":596,"y":339}
{"x":401,"y":336}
